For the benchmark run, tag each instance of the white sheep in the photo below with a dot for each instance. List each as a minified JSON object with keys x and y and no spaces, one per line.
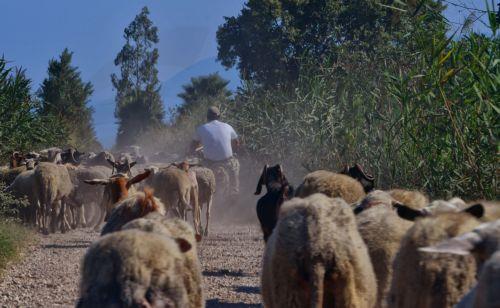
{"x":133,"y":268}
{"x":333,"y":185}
{"x":316,"y":258}
{"x":431,"y":280}
{"x":157,"y":223}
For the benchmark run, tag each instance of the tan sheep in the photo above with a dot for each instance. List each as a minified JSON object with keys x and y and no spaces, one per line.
{"x":412,"y":198}
{"x":177,"y":190}
{"x":316,"y":258}
{"x":382,"y":230}
{"x":484,"y":243}
{"x":331,"y":184}
{"x":24,"y":186}
{"x":84,"y":198}
{"x":193,"y":280}
{"x":54,"y":186}
{"x":432,"y":280}
{"x":206,"y":191}
{"x":133,"y":268}
{"x":136,"y":206}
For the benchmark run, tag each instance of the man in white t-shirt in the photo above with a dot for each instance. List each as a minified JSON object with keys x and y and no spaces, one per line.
{"x":219,"y":140}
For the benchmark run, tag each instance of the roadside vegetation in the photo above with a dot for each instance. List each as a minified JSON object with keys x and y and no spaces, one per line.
{"x":13,"y":236}
{"x":383,"y":85}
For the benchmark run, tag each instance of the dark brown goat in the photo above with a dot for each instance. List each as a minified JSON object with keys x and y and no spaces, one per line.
{"x":357,"y":172}
{"x":278,"y":191}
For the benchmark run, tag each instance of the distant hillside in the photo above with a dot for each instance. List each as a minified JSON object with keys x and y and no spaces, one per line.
{"x":104,"y":107}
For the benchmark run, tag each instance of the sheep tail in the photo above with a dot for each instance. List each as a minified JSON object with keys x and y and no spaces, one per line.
{"x":317,"y":279}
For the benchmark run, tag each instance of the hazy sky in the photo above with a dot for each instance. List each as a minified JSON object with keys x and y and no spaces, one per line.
{"x":34,"y":31}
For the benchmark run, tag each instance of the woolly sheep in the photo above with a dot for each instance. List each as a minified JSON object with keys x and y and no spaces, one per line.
{"x":484,"y":243}
{"x":193,"y":281}
{"x":135,"y":206}
{"x":431,"y":280}
{"x":8,"y":175}
{"x":177,"y":190}
{"x":206,"y":191}
{"x":412,"y":198}
{"x":316,"y":258}
{"x":84,"y":196}
{"x":382,"y":230}
{"x":133,"y":268}
{"x":24,"y":186}
{"x":331,"y":184}
{"x":54,"y":186}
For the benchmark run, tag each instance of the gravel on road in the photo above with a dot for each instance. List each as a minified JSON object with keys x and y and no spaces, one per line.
{"x":48,"y":273}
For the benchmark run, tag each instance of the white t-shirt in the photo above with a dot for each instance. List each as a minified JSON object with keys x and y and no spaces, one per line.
{"x":216,"y":136}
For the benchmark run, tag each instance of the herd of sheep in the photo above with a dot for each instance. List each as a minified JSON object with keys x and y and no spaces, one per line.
{"x":334,"y":241}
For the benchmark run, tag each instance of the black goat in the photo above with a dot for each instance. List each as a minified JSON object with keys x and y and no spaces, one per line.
{"x":357,"y":172}
{"x":278,"y":191}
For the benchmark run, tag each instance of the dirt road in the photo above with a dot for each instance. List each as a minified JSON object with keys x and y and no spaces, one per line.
{"x":48,"y":274}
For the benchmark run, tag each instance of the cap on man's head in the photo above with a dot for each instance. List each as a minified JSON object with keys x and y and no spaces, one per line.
{"x":213,"y":112}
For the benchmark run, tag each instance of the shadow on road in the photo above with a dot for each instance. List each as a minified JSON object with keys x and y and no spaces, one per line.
{"x":66,"y":246}
{"x":224,"y":272}
{"x":247,"y":289}
{"x":215,"y":303}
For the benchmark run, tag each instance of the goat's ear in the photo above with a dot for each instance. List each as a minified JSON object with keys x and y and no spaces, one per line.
{"x":138,"y":178}
{"x":184,"y":245}
{"x":262,"y":181}
{"x":407,"y":212}
{"x":132,"y":164}
{"x":476,"y":210}
{"x":111,"y":162}
{"x":97,"y":181}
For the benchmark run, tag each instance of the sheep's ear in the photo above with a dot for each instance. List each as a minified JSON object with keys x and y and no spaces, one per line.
{"x":184,"y":245}
{"x":138,"y":178}
{"x":262,"y":180}
{"x":407,"y":212}
{"x":358,"y":209}
{"x":132,"y":164}
{"x":97,"y":181}
{"x":460,"y":245}
{"x":476,"y":210}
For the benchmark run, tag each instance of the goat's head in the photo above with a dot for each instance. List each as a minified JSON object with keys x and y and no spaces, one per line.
{"x":119,"y":184}
{"x":357,"y":172}
{"x":271,"y":176}
{"x":72,"y":156}
{"x":31,"y":163}
{"x":16,"y":159}
{"x":122,"y":166}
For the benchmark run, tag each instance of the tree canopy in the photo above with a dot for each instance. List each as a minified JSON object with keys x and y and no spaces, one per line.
{"x":65,"y":96}
{"x":22,"y":126}
{"x":211,"y":89}
{"x":138,"y":102}
{"x":269,"y":39}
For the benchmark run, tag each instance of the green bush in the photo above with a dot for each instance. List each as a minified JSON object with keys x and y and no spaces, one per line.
{"x":13,"y":237}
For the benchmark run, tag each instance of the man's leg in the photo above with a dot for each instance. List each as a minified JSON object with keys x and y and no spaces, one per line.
{"x":233,"y":168}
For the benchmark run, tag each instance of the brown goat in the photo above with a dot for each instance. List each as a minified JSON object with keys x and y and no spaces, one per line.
{"x":116,"y":189}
